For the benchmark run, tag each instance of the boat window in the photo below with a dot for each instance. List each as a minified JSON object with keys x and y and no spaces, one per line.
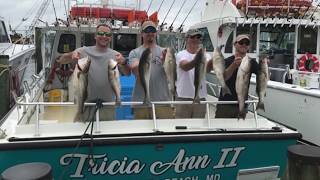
{"x":307,"y":40}
{"x":229,"y":44}
{"x":277,"y":39}
{"x":3,"y":33}
{"x":252,"y":32}
{"x":87,"y":39}
{"x":124,"y":43}
{"x":206,"y":40}
{"x":67,"y":43}
{"x":166,"y":40}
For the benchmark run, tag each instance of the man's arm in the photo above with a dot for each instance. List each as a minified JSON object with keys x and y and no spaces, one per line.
{"x":230,"y":69}
{"x":67,"y":58}
{"x":187,"y":65}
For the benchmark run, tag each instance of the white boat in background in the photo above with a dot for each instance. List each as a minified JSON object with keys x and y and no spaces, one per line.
{"x":14,"y":62}
{"x":289,"y":32}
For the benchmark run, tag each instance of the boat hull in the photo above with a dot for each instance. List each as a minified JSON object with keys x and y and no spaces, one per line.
{"x":185,"y":156}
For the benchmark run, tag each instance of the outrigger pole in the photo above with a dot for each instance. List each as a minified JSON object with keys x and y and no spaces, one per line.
{"x":180,"y":28}
{"x":163,"y":22}
{"x":171,"y":28}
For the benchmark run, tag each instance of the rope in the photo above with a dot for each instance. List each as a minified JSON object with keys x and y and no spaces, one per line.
{"x":91,"y":161}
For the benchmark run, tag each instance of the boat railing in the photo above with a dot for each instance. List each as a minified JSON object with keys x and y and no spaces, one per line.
{"x":153,"y":105}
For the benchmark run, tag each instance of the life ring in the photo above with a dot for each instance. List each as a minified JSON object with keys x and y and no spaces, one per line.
{"x":308,"y":62}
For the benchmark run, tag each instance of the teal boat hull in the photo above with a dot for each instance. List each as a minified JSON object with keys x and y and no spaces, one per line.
{"x":194,"y":156}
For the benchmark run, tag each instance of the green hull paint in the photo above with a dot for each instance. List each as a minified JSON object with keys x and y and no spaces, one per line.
{"x":136,"y":161}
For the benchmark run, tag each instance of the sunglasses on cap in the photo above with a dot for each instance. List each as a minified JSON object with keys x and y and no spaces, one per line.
{"x":244,"y":42}
{"x":195,"y":36}
{"x":108,"y":34}
{"x":150,"y":29}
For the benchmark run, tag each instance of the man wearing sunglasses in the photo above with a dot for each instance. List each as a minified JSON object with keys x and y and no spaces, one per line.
{"x":158,"y":86}
{"x":185,"y":78}
{"x":99,"y":87}
{"x":232,"y":63}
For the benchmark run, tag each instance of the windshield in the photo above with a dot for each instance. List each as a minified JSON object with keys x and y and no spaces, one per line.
{"x":3,"y":33}
{"x":278,"y":39}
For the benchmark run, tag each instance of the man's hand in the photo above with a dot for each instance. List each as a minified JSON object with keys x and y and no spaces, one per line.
{"x":75,"y":56}
{"x":120,"y":59}
{"x":237,"y":61}
{"x":163,"y":55}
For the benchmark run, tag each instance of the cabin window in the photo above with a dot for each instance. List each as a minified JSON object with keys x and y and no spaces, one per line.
{"x":277,"y":39}
{"x":124,"y":43}
{"x":206,"y":40}
{"x":3,"y":33}
{"x":87,"y":39}
{"x":307,"y":40}
{"x":168,"y":40}
{"x":67,"y":43}
{"x":252,"y":32}
{"x":229,"y":44}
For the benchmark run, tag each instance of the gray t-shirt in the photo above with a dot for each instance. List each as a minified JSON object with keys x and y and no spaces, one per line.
{"x":159,"y":90}
{"x":98,"y":82}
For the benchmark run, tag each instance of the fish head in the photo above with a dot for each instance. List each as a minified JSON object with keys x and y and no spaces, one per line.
{"x":170,"y":54}
{"x":84,"y":64}
{"x":87,"y":65}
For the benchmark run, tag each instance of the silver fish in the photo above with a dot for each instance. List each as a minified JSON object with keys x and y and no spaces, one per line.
{"x":199,"y":72}
{"x":218,"y":67}
{"x":113,"y":76}
{"x":79,"y":82}
{"x":144,"y":73}
{"x":242,"y":85}
{"x":262,"y":79}
{"x":170,"y":70}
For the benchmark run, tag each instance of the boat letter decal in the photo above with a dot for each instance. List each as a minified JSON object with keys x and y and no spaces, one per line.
{"x":181,"y":163}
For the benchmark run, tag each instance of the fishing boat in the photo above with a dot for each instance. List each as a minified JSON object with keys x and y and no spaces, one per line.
{"x":287,"y":31}
{"x":14,"y":61}
{"x":41,"y":127}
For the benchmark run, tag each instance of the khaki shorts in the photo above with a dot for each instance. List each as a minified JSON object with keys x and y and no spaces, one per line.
{"x":190,"y":110}
{"x":162,"y":112}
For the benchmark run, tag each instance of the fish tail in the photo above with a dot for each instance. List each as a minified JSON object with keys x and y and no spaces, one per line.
{"x":260,"y":106}
{"x":242,"y":115}
{"x":225,"y":90}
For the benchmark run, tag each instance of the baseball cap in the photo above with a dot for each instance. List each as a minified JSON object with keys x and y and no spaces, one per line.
{"x":147,"y":24}
{"x":193,"y":32}
{"x":241,"y":37}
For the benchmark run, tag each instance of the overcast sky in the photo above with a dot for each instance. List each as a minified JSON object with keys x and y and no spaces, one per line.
{"x":13,"y":11}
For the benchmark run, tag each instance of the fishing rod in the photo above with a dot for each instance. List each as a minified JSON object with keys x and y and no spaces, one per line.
{"x":163,"y":22}
{"x":311,"y":17}
{"x":304,"y":14}
{"x":180,"y":28}
{"x":160,"y":6}
{"x":177,"y":15}
{"x":149,"y":6}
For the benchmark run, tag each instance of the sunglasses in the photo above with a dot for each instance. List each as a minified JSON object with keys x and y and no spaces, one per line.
{"x":242,"y":42}
{"x":150,"y":30}
{"x":108,"y":34}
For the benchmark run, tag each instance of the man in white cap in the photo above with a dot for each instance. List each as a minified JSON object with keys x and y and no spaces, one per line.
{"x":185,"y":78}
{"x":158,"y":86}
{"x":232,"y":63}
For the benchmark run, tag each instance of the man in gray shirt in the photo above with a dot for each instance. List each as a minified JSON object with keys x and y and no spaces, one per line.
{"x":98,"y":83}
{"x":158,"y":87}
